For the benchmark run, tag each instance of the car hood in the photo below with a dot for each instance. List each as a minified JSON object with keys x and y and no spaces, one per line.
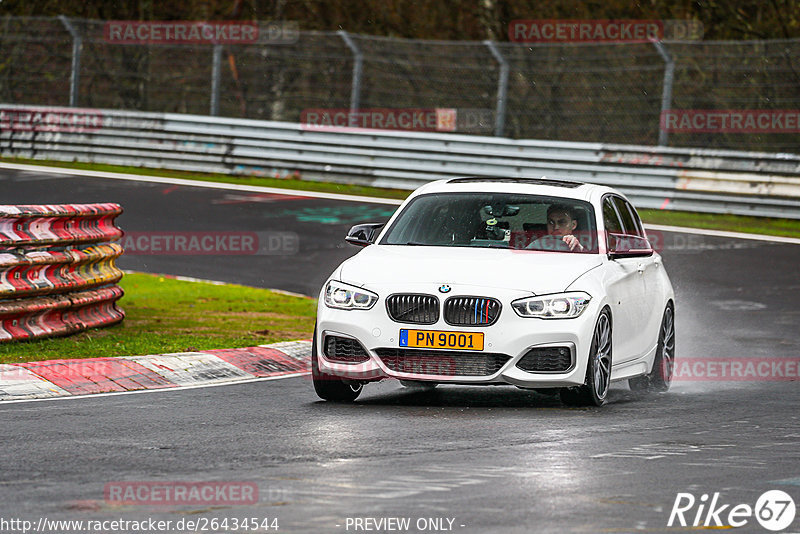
{"x":524,"y":270}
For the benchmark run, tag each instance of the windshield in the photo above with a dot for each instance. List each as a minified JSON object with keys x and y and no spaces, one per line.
{"x":496,"y":220}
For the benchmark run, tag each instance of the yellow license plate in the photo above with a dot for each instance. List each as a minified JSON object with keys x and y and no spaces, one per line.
{"x":436,"y":339}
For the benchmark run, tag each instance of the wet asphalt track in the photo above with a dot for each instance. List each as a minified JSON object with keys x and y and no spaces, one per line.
{"x":492,"y":459}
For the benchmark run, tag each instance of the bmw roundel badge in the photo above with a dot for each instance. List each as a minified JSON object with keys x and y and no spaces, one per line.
{"x":444,"y":288}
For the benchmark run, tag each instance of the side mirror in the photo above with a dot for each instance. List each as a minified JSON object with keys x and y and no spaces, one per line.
{"x":628,"y":246}
{"x":363,"y":234}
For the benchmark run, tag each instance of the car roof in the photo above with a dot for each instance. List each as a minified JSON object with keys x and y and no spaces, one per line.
{"x":544,"y":186}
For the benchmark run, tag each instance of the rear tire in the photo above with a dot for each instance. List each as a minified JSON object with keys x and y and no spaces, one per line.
{"x":595,"y":388}
{"x":659,"y":378}
{"x":329,"y":387}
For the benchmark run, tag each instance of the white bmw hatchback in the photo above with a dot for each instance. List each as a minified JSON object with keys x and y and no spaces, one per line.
{"x":535,"y":283}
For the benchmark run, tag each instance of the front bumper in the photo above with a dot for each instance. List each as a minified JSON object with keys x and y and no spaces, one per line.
{"x":511,"y":335}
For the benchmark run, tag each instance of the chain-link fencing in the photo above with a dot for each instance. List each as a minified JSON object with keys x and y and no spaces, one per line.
{"x":610,"y":92}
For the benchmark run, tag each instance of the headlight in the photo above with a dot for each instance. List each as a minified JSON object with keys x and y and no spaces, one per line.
{"x":347,"y":297}
{"x":559,"y":306}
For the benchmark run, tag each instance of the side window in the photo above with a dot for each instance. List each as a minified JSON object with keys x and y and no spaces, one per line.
{"x":637,"y":221}
{"x":610,"y":217}
{"x":629,"y":220}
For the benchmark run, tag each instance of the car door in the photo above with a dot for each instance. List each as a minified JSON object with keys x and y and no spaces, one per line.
{"x":650,"y":266}
{"x":626,"y":292}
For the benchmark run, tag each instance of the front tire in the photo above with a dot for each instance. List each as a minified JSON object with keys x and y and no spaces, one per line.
{"x":594,"y":390}
{"x":659,"y":379}
{"x":329,"y":387}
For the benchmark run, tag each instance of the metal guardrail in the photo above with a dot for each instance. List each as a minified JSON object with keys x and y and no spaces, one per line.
{"x":57,"y":271}
{"x":710,"y":181}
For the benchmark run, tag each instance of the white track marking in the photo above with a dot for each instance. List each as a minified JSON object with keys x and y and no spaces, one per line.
{"x":722,"y":233}
{"x":160,"y":390}
{"x":216,"y":283}
{"x":299,"y":350}
{"x":182,"y":369}
{"x":198,"y":183}
{"x":182,"y":278}
{"x":189,"y":368}
{"x":18,"y":381}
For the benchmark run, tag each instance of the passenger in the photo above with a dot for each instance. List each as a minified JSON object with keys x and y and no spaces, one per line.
{"x":561,"y":222}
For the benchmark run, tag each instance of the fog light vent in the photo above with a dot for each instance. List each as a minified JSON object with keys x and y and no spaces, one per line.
{"x":547,"y":360}
{"x":344,"y":350}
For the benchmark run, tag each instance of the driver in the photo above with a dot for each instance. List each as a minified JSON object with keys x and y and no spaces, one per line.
{"x":561,"y":222}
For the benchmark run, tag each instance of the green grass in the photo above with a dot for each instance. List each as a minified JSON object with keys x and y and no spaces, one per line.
{"x":732,"y":223}
{"x":165,"y":315}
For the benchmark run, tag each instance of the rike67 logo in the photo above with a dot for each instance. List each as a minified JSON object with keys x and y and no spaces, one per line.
{"x":774,"y":510}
